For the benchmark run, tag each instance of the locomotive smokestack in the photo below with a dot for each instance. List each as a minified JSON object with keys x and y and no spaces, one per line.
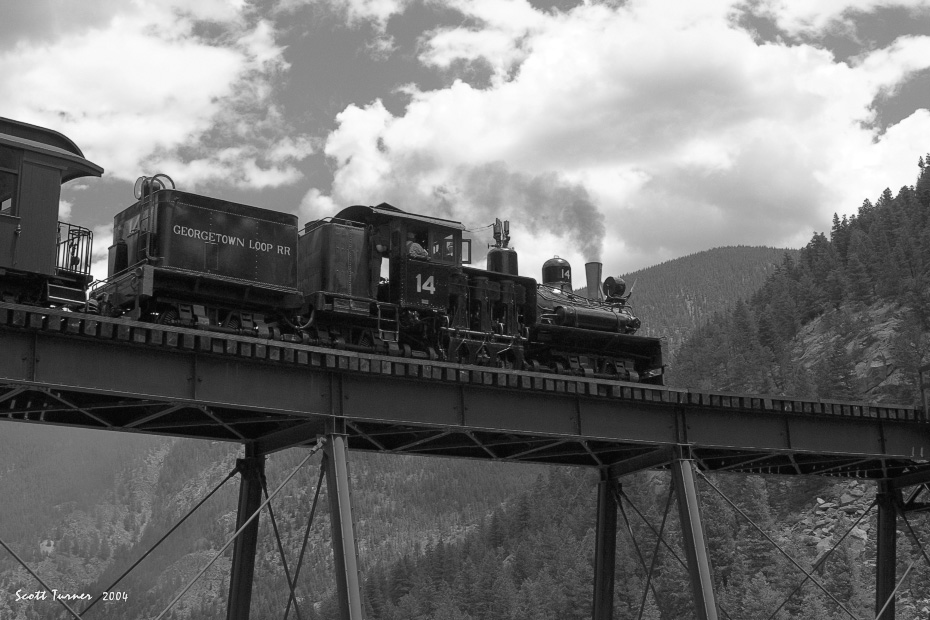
{"x":592,"y":272}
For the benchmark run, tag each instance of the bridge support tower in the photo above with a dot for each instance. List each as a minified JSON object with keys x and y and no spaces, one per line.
{"x":886,"y":552}
{"x":251,"y":470}
{"x":693,"y":540}
{"x":605,"y":547}
{"x":345,"y":551}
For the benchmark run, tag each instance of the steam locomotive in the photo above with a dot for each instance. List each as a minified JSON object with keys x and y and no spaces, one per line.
{"x":370,"y":278}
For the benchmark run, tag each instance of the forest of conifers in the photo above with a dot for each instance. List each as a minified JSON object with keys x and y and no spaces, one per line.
{"x":881,"y":256}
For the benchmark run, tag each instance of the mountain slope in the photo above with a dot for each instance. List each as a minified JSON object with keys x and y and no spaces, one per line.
{"x":674,"y":297}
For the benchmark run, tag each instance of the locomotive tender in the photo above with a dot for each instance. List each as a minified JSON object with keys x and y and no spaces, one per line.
{"x":371,"y":278}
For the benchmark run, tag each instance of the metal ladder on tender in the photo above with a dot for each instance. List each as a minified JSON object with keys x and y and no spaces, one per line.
{"x":146,"y":226}
{"x":385,"y":333}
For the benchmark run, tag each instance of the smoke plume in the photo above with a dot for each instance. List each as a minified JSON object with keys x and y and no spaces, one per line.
{"x":545,"y":202}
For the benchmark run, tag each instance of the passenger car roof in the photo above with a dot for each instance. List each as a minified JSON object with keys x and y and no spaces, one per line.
{"x":50,"y":143}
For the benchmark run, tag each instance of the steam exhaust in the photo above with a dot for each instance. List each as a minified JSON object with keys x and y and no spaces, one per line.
{"x":592,"y":272}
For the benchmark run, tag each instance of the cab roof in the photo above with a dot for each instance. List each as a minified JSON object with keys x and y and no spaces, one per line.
{"x":384,"y":212}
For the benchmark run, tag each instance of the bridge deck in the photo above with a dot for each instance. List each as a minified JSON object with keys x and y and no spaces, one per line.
{"x":71,"y":369}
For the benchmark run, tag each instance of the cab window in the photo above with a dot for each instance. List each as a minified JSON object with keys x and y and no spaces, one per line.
{"x":442,"y":247}
{"x":9,"y":167}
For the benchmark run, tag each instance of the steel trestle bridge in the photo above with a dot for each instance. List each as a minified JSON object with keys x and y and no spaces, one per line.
{"x":78,"y":370}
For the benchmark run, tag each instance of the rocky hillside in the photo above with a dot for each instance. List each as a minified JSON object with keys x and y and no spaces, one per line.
{"x":848,"y":319}
{"x":873,"y":349}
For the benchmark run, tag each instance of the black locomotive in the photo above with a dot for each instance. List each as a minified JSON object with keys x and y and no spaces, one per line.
{"x":371,"y":278}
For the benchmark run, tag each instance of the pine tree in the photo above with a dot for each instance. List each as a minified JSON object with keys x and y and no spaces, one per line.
{"x":923,"y":182}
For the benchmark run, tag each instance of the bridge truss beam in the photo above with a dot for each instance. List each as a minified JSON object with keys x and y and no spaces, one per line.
{"x":278,"y":395}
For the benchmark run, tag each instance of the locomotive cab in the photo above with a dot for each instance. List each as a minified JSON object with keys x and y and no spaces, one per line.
{"x":410,"y":258}
{"x":378,"y":278}
{"x":425,"y":258}
{"x":42,"y":260}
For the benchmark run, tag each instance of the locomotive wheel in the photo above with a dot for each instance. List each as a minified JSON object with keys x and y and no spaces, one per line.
{"x":366,"y":339}
{"x":105,"y":308}
{"x":505,"y":361}
{"x":168,"y":316}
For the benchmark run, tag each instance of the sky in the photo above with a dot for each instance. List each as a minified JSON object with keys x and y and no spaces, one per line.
{"x":631,"y":132}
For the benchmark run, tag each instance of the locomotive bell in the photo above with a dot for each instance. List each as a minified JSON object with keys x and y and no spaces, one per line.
{"x":557,"y":273}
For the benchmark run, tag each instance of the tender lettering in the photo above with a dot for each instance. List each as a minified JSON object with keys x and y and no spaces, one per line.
{"x":222,"y":239}
{"x":207,"y":236}
{"x":261,"y":246}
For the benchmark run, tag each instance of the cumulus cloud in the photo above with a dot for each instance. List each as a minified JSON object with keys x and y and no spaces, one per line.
{"x":501,"y":37}
{"x":679,"y":130}
{"x":802,"y":17}
{"x":375,"y":12}
{"x":162,"y":85}
{"x":64,"y":210}
{"x":99,"y":260}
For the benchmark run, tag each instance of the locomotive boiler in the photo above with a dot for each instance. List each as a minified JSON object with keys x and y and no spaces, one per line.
{"x":591,"y":334}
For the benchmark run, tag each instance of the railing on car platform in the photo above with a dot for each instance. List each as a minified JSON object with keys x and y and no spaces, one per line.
{"x":74,"y":249}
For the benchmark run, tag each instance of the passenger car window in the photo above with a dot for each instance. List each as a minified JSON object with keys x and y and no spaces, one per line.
{"x":9,"y":167}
